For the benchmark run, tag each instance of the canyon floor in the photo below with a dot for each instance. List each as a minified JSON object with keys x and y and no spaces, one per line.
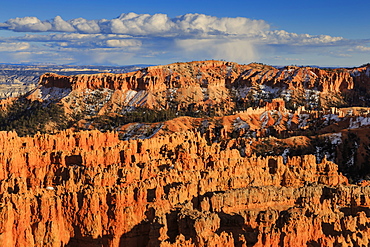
{"x":205,"y":153}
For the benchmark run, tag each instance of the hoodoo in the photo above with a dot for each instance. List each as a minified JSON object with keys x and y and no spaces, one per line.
{"x":207,"y":153}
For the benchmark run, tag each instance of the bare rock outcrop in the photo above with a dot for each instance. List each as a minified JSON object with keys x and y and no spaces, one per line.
{"x":91,"y":189}
{"x":258,"y":168}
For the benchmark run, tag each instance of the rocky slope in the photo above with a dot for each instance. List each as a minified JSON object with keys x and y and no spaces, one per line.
{"x":188,"y":154}
{"x":91,"y":189}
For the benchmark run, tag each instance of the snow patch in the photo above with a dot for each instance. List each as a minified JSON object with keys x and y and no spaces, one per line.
{"x":358,"y":122}
{"x":53,"y":93}
{"x":335,"y":138}
{"x":269,"y":90}
{"x":139,"y":98}
{"x":130,"y":94}
{"x":240,"y":124}
{"x":330,"y":118}
{"x":289,"y":122}
{"x":303,"y":120}
{"x":242,"y":93}
{"x":286,"y":94}
{"x":285,"y":155}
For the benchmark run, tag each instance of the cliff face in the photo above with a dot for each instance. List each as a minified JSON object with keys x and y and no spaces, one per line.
{"x":203,"y":84}
{"x":189,"y":154}
{"x":214,"y":73}
{"x":90,"y":189}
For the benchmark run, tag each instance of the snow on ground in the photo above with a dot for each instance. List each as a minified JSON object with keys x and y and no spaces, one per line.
{"x":240,"y":124}
{"x":269,"y":90}
{"x":285,"y":155}
{"x":307,"y":78}
{"x":130,"y":94}
{"x":351,"y":160}
{"x":286,"y":94}
{"x":141,"y":131}
{"x":204,"y":92}
{"x":319,"y":154}
{"x":312,"y":96}
{"x":53,"y":93}
{"x":155,"y":131}
{"x":359,"y":122}
{"x":131,"y":131}
{"x":312,"y":73}
{"x":303,"y":120}
{"x":331,"y":118}
{"x":171,"y":93}
{"x":335,"y":138}
{"x":242,"y":93}
{"x":289,"y":122}
{"x":280,"y":117}
{"x":139,"y":98}
{"x":355,"y":73}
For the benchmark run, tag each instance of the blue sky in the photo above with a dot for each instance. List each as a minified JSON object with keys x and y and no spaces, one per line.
{"x":325,"y":33}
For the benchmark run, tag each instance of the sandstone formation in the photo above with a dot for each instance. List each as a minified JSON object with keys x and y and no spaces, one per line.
{"x":91,"y":189}
{"x":243,"y":155}
{"x":208,"y":85}
{"x":215,"y":73}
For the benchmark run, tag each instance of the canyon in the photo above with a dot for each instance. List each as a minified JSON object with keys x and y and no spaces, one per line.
{"x":206,"y":153}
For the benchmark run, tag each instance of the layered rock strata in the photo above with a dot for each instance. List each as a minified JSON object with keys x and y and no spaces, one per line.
{"x":258,"y":174}
{"x":219,"y":84}
{"x":91,"y":189}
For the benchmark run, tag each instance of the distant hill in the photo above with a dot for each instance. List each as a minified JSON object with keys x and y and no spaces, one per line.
{"x":17,"y":79}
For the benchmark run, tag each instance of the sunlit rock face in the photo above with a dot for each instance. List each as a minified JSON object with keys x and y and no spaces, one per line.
{"x":243,"y":155}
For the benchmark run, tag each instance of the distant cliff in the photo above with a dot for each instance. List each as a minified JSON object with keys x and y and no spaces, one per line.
{"x":225,"y":86}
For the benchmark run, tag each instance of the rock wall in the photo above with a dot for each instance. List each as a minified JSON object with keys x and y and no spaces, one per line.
{"x":91,"y":189}
{"x":216,"y":74}
{"x":199,"y":182}
{"x":218,"y":86}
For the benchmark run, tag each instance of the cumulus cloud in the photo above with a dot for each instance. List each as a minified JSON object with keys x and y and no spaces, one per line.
{"x":189,"y":36}
{"x":160,"y":25}
{"x":58,"y":24}
{"x":203,"y":24}
{"x":143,"y":24}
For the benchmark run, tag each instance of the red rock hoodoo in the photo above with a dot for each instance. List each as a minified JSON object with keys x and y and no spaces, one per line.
{"x":243,"y":161}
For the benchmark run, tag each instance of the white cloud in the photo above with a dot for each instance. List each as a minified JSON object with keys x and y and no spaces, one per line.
{"x":283,"y":37}
{"x":204,"y":24}
{"x":27,"y":24}
{"x":61,"y":25}
{"x":228,"y":49}
{"x":122,"y":43}
{"x":187,"y":26}
{"x":143,"y":24}
{"x":11,"y":47}
{"x":85,"y":26}
{"x":141,"y":36}
{"x":362,"y":48}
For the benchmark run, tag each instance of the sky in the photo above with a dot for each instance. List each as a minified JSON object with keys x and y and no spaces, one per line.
{"x":119,"y":32}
